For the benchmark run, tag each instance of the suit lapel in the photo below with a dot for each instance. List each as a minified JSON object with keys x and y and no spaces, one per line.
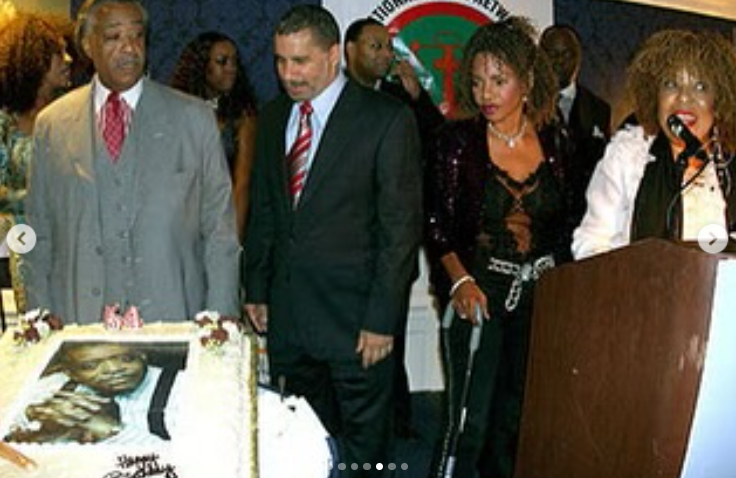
{"x":278,"y":150}
{"x":146,"y":141}
{"x":83,"y":125}
{"x":337,"y":133}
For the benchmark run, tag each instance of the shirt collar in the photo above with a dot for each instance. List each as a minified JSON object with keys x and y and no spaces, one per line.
{"x":131,"y":95}
{"x":569,"y":91}
{"x":323,"y":103}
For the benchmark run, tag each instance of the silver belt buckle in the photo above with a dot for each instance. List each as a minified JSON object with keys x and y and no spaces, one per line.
{"x":526,"y":272}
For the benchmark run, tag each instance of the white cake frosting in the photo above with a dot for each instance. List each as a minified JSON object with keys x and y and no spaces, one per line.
{"x":215,"y":426}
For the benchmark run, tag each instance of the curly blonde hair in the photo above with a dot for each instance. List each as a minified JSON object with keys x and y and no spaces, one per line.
{"x":707,"y":54}
{"x":512,"y":42}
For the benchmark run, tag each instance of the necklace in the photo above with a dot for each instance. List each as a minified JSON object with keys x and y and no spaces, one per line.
{"x":509,"y":139}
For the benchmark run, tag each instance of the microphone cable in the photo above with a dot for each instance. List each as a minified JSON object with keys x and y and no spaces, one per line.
{"x":681,"y":165}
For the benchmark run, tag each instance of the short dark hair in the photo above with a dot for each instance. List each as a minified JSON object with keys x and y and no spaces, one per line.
{"x":571,"y":36}
{"x":356,"y":28}
{"x":67,"y":348}
{"x":87,"y":12}
{"x":315,"y":18}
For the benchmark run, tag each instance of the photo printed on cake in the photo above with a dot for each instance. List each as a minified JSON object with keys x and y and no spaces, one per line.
{"x":104,"y":392}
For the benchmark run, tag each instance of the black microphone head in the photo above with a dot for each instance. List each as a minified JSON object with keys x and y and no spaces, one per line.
{"x":680,"y":129}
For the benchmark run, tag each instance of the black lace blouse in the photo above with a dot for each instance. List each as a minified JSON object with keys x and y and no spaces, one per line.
{"x":470,"y":202}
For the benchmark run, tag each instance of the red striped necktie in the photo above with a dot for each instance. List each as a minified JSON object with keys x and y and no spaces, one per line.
{"x":299,"y":152}
{"x":113,"y":127}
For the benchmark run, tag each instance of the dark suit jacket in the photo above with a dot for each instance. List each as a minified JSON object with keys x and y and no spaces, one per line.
{"x":428,"y":116}
{"x":588,"y":130}
{"x":342,"y":260}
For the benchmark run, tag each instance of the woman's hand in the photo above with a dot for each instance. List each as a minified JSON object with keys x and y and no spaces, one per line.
{"x":468,"y":299}
{"x":465,"y":295}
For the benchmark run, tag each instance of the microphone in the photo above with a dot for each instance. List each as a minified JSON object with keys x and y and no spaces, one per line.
{"x":693,"y":146}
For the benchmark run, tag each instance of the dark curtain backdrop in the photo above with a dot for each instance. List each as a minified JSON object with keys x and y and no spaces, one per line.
{"x":250,"y":22}
{"x":610,"y":30}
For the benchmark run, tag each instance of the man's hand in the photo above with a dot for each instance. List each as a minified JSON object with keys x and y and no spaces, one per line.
{"x":258,"y":315}
{"x":408,"y":77}
{"x":374,"y":347}
{"x":67,"y":408}
{"x":72,"y":416}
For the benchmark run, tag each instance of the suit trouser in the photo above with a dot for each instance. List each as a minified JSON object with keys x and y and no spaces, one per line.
{"x":489,"y":441}
{"x":353,"y":403}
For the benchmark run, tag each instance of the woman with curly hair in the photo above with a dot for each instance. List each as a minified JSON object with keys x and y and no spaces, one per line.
{"x":496,"y":220}
{"x":210,"y":68}
{"x":650,"y":182}
{"x":34,"y":70}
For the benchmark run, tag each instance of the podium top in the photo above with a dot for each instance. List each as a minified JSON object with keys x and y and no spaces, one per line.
{"x":665,"y":246}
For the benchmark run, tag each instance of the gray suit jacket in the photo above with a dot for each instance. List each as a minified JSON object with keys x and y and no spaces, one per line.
{"x":184,"y":245}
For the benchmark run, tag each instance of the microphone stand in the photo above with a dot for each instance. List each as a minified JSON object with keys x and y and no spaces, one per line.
{"x":681,"y":166}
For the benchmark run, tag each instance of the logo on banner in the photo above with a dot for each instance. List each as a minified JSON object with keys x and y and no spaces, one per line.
{"x":431,"y":35}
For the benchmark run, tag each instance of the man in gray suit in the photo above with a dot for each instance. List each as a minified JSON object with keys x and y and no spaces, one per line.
{"x":129,"y":196}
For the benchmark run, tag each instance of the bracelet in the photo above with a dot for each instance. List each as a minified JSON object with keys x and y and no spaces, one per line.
{"x":456,"y":285}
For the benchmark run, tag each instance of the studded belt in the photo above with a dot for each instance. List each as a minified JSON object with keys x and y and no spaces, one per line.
{"x":521,"y":273}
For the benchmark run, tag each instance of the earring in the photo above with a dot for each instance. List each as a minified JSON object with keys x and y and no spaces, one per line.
{"x":722,"y":171}
{"x":716,"y":145}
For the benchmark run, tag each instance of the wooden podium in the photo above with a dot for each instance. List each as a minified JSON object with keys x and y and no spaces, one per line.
{"x":617,"y":356}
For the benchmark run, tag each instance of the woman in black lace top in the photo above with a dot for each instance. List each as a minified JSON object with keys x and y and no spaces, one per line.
{"x":496,"y":220}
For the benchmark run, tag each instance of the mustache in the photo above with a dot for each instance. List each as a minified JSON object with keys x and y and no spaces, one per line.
{"x":294,"y":84}
{"x":129,"y":61}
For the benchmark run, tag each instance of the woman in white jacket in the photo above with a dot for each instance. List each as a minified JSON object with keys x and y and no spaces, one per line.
{"x":650,"y":183}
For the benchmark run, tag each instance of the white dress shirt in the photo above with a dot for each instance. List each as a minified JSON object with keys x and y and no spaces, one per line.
{"x":322,"y":107}
{"x":130,"y":99}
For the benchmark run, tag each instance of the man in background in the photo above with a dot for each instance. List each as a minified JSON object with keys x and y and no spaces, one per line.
{"x":333,"y":237}
{"x":130,"y":197}
{"x":371,"y":61}
{"x":584,"y":118}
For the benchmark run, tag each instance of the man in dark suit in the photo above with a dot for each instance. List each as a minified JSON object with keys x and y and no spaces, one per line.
{"x":370,"y":59}
{"x":583,"y":117}
{"x":333,"y":236}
